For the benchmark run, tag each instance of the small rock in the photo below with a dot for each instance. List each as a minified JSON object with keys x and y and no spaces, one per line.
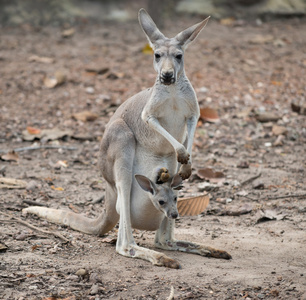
{"x":31,"y":186}
{"x":258,"y":185}
{"x":94,"y":278}
{"x":90,"y":90}
{"x":72,"y":277}
{"x":267,"y":117}
{"x":81,"y":272}
{"x":279,"y":140}
{"x":94,"y":289}
{"x":279,"y":130}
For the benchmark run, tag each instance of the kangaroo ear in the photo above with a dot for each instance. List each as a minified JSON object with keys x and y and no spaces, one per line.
{"x":188,"y":35}
{"x":149,"y":27}
{"x":146,"y":184}
{"x":176,"y":181}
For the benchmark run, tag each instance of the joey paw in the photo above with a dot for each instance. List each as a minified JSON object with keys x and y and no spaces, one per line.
{"x":182,"y":156}
{"x":185,"y":171}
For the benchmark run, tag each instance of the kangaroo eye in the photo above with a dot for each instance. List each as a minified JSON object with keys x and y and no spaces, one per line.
{"x":161,"y":202}
{"x":157,"y":56}
{"x":175,"y":199}
{"x":179,"y":56}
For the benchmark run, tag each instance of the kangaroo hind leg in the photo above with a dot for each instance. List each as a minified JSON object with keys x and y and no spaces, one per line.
{"x":164,"y":239}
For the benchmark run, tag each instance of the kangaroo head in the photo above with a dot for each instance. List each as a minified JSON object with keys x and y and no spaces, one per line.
{"x":163,"y":196}
{"x":168,"y":52}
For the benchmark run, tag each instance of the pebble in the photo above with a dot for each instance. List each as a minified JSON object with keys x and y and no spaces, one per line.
{"x":90,"y":90}
{"x":94,"y":289}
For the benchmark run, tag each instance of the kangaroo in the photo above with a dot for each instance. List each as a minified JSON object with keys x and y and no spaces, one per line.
{"x":153,"y":129}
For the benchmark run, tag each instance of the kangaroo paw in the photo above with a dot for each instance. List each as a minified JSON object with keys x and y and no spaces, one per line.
{"x":185,"y":171}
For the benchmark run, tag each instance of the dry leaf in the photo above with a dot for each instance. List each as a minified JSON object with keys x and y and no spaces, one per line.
{"x":61,"y":163}
{"x":209,"y":115}
{"x":58,"y":79}
{"x":12,"y":183}
{"x":192,"y":206}
{"x":147,"y":49}
{"x":41,"y":59}
{"x":109,"y":240}
{"x":10,"y":156}
{"x":57,"y":188}
{"x":3,"y":247}
{"x":211,"y":175}
{"x":73,"y":208}
{"x":47,"y":134}
{"x":68,"y":32}
{"x":85,"y":116}
{"x":261,"y":39}
{"x":279,"y":130}
{"x":32,"y":130}
{"x":267,"y":117}
{"x":227,"y":21}
{"x":96,"y":69}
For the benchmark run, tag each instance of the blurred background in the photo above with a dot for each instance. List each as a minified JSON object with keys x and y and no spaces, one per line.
{"x":55,"y":12}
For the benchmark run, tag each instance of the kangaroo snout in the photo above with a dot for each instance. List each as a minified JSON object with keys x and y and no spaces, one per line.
{"x":174,"y":215}
{"x":167,"y":77}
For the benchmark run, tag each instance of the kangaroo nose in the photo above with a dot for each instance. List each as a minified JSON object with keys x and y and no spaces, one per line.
{"x":168,"y":75}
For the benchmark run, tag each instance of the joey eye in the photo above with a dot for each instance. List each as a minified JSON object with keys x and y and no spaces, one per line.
{"x":179,"y":56}
{"x":175,"y":199}
{"x":161,"y":202}
{"x":157,"y":56}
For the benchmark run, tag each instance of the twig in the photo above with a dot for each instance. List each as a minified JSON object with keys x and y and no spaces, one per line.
{"x":36,"y":228}
{"x":171,"y":296}
{"x":287,"y":196}
{"x":40,"y":147}
{"x":250,"y":179}
{"x":33,"y":203}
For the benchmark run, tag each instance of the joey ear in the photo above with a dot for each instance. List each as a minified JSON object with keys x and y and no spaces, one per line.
{"x":149,"y":27}
{"x":146,"y":184}
{"x":188,"y":35}
{"x":176,"y":181}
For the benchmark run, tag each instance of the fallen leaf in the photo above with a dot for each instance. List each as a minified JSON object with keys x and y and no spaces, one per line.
{"x":227,"y":21}
{"x":299,"y":107}
{"x":267,"y":117}
{"x":56,"y":80}
{"x":261,"y":39}
{"x":279,"y":130}
{"x":32,"y":130}
{"x":41,"y":59}
{"x":3,"y":247}
{"x":237,"y":210}
{"x":68,"y":33}
{"x":192,"y":206}
{"x":35,"y":247}
{"x":12,"y":183}
{"x":73,"y":208}
{"x":109,"y":240}
{"x":46,"y":134}
{"x":85,"y":116}
{"x":96,"y":68}
{"x":211,"y":175}
{"x":61,"y":163}
{"x":269,"y":215}
{"x":209,"y":115}
{"x":57,"y":188}
{"x":115,"y":75}
{"x":147,"y":49}
{"x":10,"y":156}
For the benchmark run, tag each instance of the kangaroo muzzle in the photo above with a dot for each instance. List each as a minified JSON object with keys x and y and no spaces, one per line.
{"x":167,"y":78}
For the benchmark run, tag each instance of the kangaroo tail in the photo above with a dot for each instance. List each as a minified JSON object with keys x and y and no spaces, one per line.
{"x":99,"y":226}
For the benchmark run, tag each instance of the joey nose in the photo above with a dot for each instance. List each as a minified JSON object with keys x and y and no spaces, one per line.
{"x":174,"y":215}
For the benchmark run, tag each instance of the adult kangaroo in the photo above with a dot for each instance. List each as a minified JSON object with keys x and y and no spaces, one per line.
{"x":152,"y":130}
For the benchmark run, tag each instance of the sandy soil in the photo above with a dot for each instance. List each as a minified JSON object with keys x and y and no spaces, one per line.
{"x":240,"y":69}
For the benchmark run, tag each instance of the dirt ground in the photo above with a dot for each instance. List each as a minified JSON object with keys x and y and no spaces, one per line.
{"x":252,"y":74}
